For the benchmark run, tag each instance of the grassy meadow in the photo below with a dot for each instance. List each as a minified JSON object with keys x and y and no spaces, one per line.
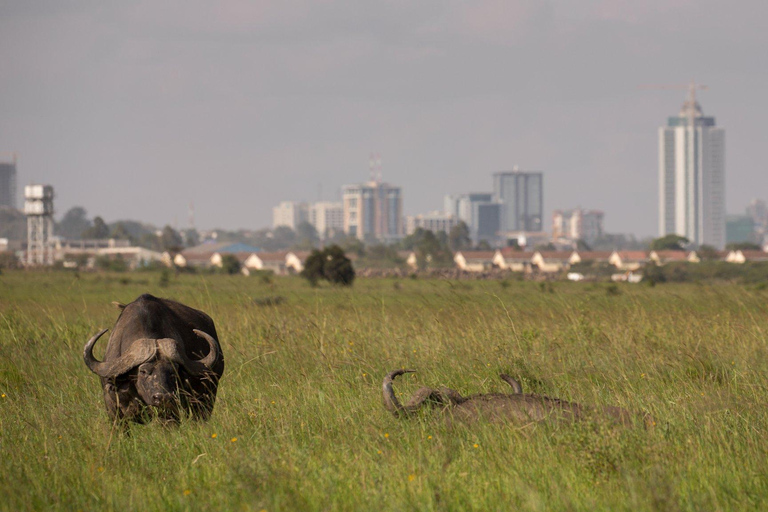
{"x":299,"y":423}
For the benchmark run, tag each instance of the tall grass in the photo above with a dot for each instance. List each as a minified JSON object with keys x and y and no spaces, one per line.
{"x":299,"y":425}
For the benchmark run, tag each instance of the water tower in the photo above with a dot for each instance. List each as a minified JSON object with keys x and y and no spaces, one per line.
{"x":38,"y":207}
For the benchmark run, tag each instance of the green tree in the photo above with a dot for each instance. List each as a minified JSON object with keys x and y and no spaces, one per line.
{"x":338,"y":268}
{"x":313,"y":267}
{"x":353,"y":245}
{"x":150,"y":241}
{"x":283,"y":237}
{"x":230,"y":264}
{"x":330,"y":264}
{"x":743,"y":246}
{"x":458,"y":238}
{"x":13,"y":224}
{"x":8,"y":260}
{"x":545,"y":247}
{"x":669,"y":243}
{"x":191,"y":237}
{"x":483,"y":245}
{"x":74,"y":222}
{"x":170,"y":239}
{"x":120,"y":232}
{"x":99,"y":230}
{"x":306,"y":236}
{"x":707,"y":253}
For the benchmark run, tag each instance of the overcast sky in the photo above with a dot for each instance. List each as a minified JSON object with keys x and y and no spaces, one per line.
{"x":135,"y":109}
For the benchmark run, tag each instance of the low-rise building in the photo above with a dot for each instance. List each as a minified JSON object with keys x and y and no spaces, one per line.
{"x":509,"y":258}
{"x":628,"y":260}
{"x":474,"y":261}
{"x":577,"y":224}
{"x":433,"y":221}
{"x":551,"y":261}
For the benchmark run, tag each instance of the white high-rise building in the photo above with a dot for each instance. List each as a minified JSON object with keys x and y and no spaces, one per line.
{"x":577,"y":224}
{"x":290,"y":213}
{"x":327,"y":218}
{"x":692,"y":177}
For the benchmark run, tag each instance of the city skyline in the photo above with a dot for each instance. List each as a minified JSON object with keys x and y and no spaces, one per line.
{"x":133,"y":110}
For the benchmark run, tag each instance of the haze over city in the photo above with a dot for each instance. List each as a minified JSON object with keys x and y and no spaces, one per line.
{"x":134,"y":110}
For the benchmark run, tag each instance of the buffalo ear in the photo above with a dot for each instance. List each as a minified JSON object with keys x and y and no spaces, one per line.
{"x":118,"y":305}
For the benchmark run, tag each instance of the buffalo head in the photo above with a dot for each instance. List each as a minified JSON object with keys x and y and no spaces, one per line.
{"x":150,"y":374}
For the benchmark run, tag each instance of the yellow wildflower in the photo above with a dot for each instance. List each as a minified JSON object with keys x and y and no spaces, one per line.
{"x":411,"y":477}
{"x":233,"y":439}
{"x":213,"y":436}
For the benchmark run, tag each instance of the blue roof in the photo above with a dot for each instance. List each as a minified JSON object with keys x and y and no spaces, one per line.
{"x":233,"y":248}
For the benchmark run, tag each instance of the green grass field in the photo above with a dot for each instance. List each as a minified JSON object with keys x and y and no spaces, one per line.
{"x":299,"y":423}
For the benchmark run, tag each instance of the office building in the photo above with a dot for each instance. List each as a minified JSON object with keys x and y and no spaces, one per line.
{"x":373,"y":211}
{"x":327,"y":218}
{"x":521,"y":196}
{"x":434,"y":221}
{"x":577,"y":224}
{"x":468,"y":208}
{"x":8,"y":182}
{"x":290,"y":214}
{"x":692,"y":177}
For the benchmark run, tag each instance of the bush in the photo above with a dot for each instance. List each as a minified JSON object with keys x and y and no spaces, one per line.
{"x":230,"y":264}
{"x":330,"y":264}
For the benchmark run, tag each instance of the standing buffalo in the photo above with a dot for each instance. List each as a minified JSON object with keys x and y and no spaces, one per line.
{"x":162,"y":356}
{"x":516,"y":407}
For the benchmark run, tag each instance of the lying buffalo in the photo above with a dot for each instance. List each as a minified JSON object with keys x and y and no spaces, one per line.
{"x":516,"y":407}
{"x":162,"y":357}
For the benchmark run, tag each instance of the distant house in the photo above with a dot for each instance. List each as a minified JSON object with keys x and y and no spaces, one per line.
{"x":186,"y":259}
{"x":217,"y":259}
{"x":203,"y":255}
{"x":628,"y":260}
{"x":274,"y":261}
{"x":743,"y":256}
{"x":474,"y":261}
{"x":135,"y":257}
{"x":294,"y":261}
{"x":509,"y":258}
{"x":589,"y":257}
{"x":664,"y":257}
{"x":551,"y":261}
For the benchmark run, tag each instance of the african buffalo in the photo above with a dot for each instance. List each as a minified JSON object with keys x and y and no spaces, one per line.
{"x":517,"y":407}
{"x":162,"y":357}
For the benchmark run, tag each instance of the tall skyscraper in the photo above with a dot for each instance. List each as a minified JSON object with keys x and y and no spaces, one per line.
{"x":521,"y":196}
{"x":373,"y":211}
{"x":692,"y":176}
{"x":8,"y":182}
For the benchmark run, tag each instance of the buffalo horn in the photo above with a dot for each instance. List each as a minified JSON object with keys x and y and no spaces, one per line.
{"x":170,"y":348}
{"x":394,"y":406}
{"x":141,"y":350}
